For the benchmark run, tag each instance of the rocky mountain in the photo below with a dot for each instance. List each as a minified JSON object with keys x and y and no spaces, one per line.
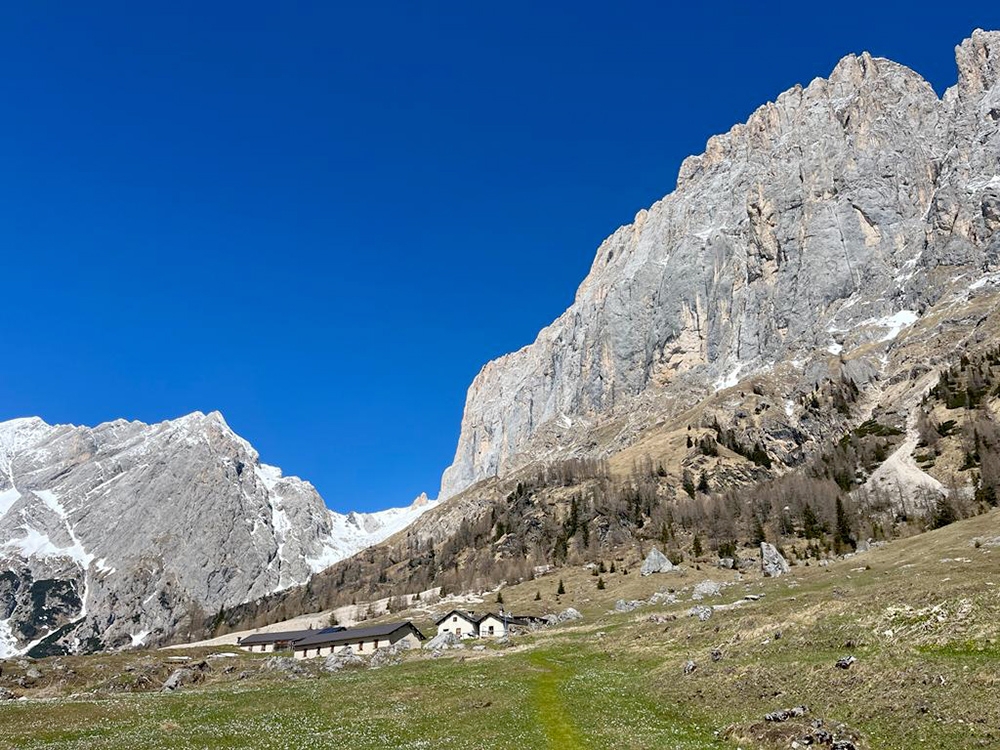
{"x":847,"y":230}
{"x":128,"y":534}
{"x":800,"y":344}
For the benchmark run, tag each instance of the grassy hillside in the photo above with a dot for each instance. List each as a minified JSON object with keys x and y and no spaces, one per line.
{"x":921,"y":616}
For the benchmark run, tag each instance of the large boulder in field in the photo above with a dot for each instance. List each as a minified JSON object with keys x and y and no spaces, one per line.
{"x":656,"y":562}
{"x":341,"y":660}
{"x":567,"y":615}
{"x":443,"y":641}
{"x":178,"y":678}
{"x":772,"y":562}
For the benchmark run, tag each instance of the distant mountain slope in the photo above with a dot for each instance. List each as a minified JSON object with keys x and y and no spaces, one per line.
{"x":127,"y":533}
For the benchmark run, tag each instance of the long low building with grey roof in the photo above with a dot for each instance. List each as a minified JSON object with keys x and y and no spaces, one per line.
{"x":281,"y":640}
{"x":363,"y":640}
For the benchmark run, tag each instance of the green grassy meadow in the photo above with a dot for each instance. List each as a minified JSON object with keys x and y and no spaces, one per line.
{"x":921,"y":615}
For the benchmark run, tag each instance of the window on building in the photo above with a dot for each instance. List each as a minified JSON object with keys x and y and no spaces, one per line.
{"x":491,"y":630}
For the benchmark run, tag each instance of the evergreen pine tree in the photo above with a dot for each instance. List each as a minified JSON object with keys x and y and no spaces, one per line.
{"x":944,"y":513}
{"x":844,"y":537}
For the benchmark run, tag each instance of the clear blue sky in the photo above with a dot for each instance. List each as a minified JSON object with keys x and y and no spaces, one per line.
{"x":322,"y":219}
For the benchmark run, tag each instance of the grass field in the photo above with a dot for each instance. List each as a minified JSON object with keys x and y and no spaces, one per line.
{"x":921,"y":615}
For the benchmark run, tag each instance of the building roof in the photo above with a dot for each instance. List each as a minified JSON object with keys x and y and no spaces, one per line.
{"x":470,"y":616}
{"x":284,"y":635}
{"x":513,"y":619}
{"x":356,"y":634}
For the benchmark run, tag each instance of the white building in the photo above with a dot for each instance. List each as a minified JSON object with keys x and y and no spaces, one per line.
{"x":488,"y":625}
{"x":463,"y":624}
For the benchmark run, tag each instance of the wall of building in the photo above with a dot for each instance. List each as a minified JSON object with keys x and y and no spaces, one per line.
{"x":366,"y":646}
{"x":457,"y":622}
{"x":499,"y":629}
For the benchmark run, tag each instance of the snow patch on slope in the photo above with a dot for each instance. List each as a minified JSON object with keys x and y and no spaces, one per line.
{"x":895,"y":323}
{"x":354,"y":532}
{"x":8,"y":643}
{"x":7,"y":500}
{"x":730,"y":379}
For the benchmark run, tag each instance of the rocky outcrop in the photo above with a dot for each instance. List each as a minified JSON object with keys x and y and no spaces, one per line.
{"x":772,"y":563}
{"x":655,"y":562}
{"x":129,"y":534}
{"x":444,"y":641}
{"x":825,"y":226}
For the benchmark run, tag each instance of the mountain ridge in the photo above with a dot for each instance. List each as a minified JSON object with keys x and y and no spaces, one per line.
{"x":130,"y":532}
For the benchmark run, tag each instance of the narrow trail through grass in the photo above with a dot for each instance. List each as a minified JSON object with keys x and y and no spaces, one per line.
{"x":552,"y":673}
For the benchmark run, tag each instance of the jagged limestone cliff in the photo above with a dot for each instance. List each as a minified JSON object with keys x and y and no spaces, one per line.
{"x":829,"y":225}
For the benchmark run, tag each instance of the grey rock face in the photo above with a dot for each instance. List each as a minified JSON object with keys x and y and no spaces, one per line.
{"x":772,"y":563}
{"x":128,"y":534}
{"x":655,"y":562}
{"x":822,"y":224}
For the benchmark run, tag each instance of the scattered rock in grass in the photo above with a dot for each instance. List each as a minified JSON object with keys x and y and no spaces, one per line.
{"x":281,"y":664}
{"x":689,"y":666}
{"x":480,"y":647}
{"x":820,"y":738}
{"x":701,"y":612}
{"x":716,"y":654}
{"x":706,"y":588}
{"x":772,"y":563}
{"x":663,"y":597}
{"x":845,"y":662}
{"x":444,"y":641}
{"x":785,"y":714}
{"x":342,"y":660}
{"x":624,"y":605}
{"x":727,"y":563}
{"x":661,"y":619}
{"x":843,"y":745}
{"x":388,"y":656}
{"x":6,"y":695}
{"x":567,"y":615}
{"x":178,"y":678}
{"x":655,"y":562}
{"x":984,"y":541}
